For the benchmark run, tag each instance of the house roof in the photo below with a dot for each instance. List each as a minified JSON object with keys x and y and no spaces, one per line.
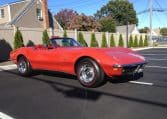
{"x":23,"y":11}
{"x":15,"y":2}
{"x":122,"y":29}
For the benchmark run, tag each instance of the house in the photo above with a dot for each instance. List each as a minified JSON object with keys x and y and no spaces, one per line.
{"x":28,"y":13}
{"x":156,"y":32}
{"x":132,"y":29}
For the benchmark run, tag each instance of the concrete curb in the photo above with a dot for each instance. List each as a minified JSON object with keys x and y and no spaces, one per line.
{"x":138,"y":49}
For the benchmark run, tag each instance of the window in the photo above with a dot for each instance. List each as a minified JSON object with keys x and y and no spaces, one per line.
{"x":39,"y":14}
{"x":2,"y":15}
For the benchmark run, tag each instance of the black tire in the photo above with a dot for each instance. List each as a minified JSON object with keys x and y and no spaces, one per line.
{"x":89,"y":73}
{"x":24,"y":67}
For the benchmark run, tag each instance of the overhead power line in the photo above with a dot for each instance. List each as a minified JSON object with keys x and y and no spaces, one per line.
{"x":154,"y":9}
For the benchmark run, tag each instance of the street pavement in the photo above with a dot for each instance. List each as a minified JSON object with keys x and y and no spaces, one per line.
{"x":51,"y":95}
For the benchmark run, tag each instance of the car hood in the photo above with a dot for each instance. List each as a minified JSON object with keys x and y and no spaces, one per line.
{"x":122,"y":55}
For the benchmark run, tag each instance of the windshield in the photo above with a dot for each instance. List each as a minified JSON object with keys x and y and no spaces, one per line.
{"x":64,"y":42}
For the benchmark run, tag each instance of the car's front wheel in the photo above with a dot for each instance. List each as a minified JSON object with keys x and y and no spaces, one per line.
{"x":24,"y":67}
{"x":89,"y":73}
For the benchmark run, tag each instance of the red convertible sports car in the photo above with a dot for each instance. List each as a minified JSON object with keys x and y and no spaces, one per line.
{"x":90,"y":65}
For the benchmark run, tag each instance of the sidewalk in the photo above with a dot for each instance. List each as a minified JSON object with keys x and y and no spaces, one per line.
{"x":6,"y":63}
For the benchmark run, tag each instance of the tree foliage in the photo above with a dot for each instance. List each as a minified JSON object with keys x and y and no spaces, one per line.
{"x":136,"y":41}
{"x":108,"y":24}
{"x":84,"y":23}
{"x":120,"y":10}
{"x":81,"y":39}
{"x":112,"y":41}
{"x":121,"y":42}
{"x":45,"y":38}
{"x":18,"y":39}
{"x":146,"y":41}
{"x":94,"y":42}
{"x":144,"y":30}
{"x":65,"y":16}
{"x":104,"y":41}
{"x":130,"y":43}
{"x":141,"y":44}
{"x":163,"y":31}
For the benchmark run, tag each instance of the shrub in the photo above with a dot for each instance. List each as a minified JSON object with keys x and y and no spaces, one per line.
{"x":112,"y":41}
{"x":146,"y":41}
{"x":141,"y":41}
{"x":18,"y":39}
{"x":81,"y":39}
{"x":65,"y":34}
{"x":121,"y":42}
{"x":104,"y":41}
{"x":45,"y":38}
{"x":136,"y":41}
{"x":94,"y":42}
{"x":30,"y":43}
{"x":130,"y":43}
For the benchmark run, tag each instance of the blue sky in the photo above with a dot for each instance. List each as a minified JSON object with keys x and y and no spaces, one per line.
{"x":89,"y":7}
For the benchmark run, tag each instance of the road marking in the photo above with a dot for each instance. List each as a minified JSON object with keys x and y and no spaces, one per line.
{"x":141,"y":83}
{"x":154,"y":54}
{"x":5,"y":116}
{"x":8,"y":67}
{"x":157,"y":59}
{"x":160,"y":67}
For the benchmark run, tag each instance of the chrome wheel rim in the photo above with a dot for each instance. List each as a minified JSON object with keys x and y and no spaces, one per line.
{"x":87,"y":73}
{"x":22,"y":67}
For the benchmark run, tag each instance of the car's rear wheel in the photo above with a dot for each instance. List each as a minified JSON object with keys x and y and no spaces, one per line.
{"x":24,"y":67}
{"x":89,"y":73}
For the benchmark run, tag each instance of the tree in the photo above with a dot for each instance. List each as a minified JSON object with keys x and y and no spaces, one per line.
{"x":18,"y":39}
{"x":112,"y":41}
{"x":144,"y":30}
{"x":81,"y":39}
{"x":94,"y":42}
{"x":136,"y":41}
{"x":65,"y":34}
{"x":120,"y":10}
{"x":65,"y":16}
{"x":141,"y":41}
{"x":104,"y":41}
{"x":130,"y":43}
{"x":146,"y":41}
{"x":163,"y":31}
{"x":108,"y":24}
{"x":121,"y":42}
{"x":84,"y":23}
{"x":45,"y":38}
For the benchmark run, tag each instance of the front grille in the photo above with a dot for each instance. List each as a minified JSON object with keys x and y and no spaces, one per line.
{"x":132,"y":69}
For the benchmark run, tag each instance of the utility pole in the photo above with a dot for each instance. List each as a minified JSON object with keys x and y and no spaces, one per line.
{"x":151,"y":14}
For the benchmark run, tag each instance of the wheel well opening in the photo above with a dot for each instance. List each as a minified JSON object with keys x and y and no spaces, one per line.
{"x":18,"y":57}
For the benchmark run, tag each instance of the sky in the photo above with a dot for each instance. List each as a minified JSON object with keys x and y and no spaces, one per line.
{"x":89,"y":7}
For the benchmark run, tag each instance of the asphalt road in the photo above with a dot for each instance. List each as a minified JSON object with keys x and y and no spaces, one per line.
{"x":49,"y":95}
